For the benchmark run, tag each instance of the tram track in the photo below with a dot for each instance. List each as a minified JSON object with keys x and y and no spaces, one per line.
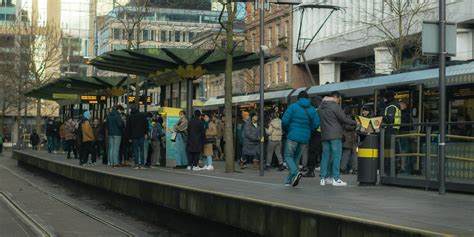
{"x":42,"y":231}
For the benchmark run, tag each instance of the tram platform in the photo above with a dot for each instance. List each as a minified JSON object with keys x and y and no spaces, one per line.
{"x":263,"y":205}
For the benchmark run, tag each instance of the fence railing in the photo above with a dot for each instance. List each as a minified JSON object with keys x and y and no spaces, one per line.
{"x":412,"y":152}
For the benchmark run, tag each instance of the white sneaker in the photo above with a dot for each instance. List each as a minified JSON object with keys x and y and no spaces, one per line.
{"x":189,"y":168}
{"x":338,"y":182}
{"x":136,"y":168}
{"x":210,"y":167}
{"x":317,"y":169}
{"x":328,"y":181}
{"x":196,"y":168}
{"x":322,"y":182}
{"x":205,"y":167}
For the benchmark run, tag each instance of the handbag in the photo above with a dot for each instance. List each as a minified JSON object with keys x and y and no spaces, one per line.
{"x":211,"y":140}
{"x":173,"y":136}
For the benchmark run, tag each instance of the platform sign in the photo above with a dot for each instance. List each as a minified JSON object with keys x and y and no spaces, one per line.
{"x":170,"y":117}
{"x":131,"y":99}
{"x":94,"y":99}
{"x":65,"y":96}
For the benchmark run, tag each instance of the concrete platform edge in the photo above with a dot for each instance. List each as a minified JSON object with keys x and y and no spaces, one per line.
{"x":258,"y":216}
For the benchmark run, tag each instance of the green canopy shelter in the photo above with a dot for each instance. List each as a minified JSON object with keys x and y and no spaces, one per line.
{"x":73,"y":87}
{"x":164,"y":66}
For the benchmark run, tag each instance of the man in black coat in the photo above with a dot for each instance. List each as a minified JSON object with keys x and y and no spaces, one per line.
{"x":196,"y":139}
{"x":137,"y":131}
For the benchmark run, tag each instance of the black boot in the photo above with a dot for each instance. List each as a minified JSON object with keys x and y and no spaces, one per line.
{"x":309,"y":174}
{"x":281,"y":168}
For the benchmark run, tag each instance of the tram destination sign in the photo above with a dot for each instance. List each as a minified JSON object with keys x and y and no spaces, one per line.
{"x":430,"y":38}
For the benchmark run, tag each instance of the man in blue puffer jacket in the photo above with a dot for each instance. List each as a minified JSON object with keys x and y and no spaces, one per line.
{"x":299,"y":120}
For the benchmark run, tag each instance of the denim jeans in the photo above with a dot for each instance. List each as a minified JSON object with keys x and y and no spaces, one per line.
{"x":51,"y":145}
{"x":146,"y":146}
{"x":139,"y":151}
{"x":331,"y":148}
{"x":293,"y":152}
{"x":114,"y":148}
{"x":181,"y":157}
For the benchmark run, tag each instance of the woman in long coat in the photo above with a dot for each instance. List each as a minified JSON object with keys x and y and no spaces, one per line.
{"x":196,"y":139}
{"x":251,"y":139}
{"x":180,"y":128}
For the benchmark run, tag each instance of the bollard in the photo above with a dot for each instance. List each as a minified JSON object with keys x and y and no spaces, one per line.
{"x":368,"y":155}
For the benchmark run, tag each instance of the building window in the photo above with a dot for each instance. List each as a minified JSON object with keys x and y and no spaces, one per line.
{"x":287,"y":27}
{"x":146,"y":35}
{"x":287,"y":72}
{"x":277,"y":80}
{"x":270,"y":39}
{"x":270,"y":74}
{"x":191,"y":35}
{"x":152,"y":35}
{"x":254,"y":39}
{"x":184,"y":37}
{"x":116,"y":33}
{"x":177,"y":36}
{"x":163,"y":36}
{"x":170,"y":36}
{"x":277,"y":33}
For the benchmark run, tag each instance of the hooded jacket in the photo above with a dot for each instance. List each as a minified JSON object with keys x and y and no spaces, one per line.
{"x":333,"y":120}
{"x":251,"y":139}
{"x":300,"y":124}
{"x":137,"y":125}
{"x":114,"y":124}
{"x":274,"y":130}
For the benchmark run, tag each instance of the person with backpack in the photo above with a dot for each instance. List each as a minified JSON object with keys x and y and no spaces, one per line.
{"x":299,"y":120}
{"x":157,"y":135}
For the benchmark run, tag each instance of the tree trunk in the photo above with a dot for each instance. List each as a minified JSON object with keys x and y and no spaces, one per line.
{"x":228,"y":132}
{"x":38,"y":116}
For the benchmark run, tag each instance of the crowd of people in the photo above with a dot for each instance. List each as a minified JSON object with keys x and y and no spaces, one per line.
{"x":113,"y":141}
{"x":311,"y":135}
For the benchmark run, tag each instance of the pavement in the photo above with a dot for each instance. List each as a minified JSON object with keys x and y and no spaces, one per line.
{"x":32,"y":205}
{"x":450,"y":214}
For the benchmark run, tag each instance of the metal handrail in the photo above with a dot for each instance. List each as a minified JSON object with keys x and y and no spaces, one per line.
{"x":433,"y":124}
{"x":423,"y":154}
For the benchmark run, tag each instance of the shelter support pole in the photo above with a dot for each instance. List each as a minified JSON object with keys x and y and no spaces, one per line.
{"x":145,"y":100}
{"x":189,"y":98}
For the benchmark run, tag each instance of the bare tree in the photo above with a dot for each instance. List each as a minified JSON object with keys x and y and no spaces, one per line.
{"x":40,"y":53}
{"x":227,"y":25}
{"x":395,"y":24}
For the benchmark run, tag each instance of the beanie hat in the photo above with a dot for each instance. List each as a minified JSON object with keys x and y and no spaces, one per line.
{"x":87,"y":115}
{"x":303,"y":94}
{"x":245,"y":114}
{"x":389,"y":94}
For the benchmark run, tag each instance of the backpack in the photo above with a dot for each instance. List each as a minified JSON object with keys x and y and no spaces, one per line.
{"x":157,"y":133}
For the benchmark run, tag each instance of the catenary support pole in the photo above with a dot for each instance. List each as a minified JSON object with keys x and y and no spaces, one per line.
{"x":262,"y":84}
{"x":442,"y":97}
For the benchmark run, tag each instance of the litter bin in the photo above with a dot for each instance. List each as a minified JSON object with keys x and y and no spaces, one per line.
{"x":368,"y":157}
